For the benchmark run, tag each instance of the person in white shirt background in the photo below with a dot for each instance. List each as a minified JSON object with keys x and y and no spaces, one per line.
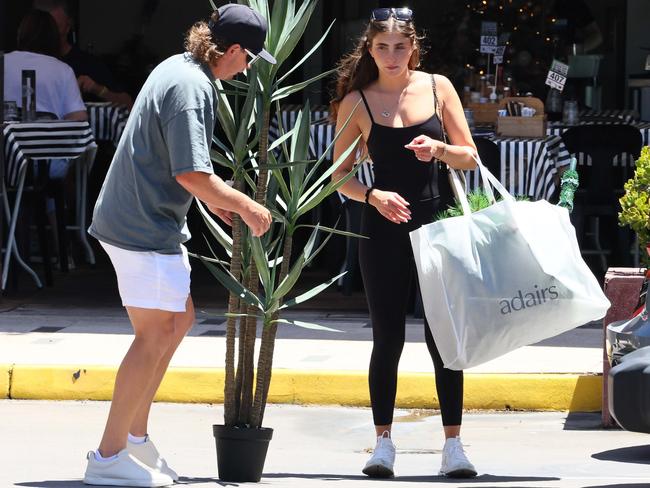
{"x":57,"y":91}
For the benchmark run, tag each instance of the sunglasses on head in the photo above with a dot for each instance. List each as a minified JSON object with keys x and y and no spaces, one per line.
{"x":254,"y":57}
{"x":381,"y":14}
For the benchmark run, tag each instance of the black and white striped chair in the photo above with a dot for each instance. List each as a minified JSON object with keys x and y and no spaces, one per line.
{"x":38,"y":141}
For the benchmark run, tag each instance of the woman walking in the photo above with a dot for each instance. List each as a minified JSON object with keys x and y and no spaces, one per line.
{"x":399,"y":113}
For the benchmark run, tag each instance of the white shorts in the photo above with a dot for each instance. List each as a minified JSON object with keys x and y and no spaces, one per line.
{"x":150,"y":279}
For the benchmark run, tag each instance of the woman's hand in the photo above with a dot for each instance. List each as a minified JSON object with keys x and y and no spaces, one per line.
{"x":391,"y":205}
{"x":425,"y":148}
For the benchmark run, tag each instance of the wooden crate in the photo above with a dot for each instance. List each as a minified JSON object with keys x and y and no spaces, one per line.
{"x":484,"y":113}
{"x":534,"y":126}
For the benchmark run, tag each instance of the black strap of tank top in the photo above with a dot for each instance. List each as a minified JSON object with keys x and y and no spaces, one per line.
{"x":365,"y":102}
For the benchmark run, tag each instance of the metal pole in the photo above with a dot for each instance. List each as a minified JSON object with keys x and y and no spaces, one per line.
{"x":3,"y":35}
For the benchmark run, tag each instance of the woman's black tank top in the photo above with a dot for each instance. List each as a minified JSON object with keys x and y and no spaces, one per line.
{"x":397,"y":169}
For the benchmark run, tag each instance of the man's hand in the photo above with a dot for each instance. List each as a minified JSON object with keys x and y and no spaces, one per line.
{"x":225,"y":215}
{"x":88,"y":85}
{"x":210,"y":188}
{"x":257,"y":218}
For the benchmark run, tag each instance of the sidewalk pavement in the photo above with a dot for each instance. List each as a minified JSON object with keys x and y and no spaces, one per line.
{"x":45,"y":443}
{"x":49,"y":352}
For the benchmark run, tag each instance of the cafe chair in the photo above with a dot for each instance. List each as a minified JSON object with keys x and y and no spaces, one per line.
{"x":40,"y":188}
{"x":490,"y":155}
{"x":606,"y":152}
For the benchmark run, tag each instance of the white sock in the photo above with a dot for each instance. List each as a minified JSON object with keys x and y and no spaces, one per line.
{"x":102,"y":459}
{"x":133,"y":439}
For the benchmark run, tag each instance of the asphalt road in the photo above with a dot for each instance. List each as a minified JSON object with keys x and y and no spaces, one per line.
{"x":44,"y":445}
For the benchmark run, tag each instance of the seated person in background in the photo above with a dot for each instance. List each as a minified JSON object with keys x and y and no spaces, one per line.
{"x":95,"y":79}
{"x":56,"y":87}
{"x":57,"y":91}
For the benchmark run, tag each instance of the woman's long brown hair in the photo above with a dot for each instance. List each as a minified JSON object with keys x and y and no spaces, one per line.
{"x":358,"y":69}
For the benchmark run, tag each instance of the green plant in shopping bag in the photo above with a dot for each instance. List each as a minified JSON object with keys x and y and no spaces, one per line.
{"x":477,"y":199}
{"x":635,"y":203}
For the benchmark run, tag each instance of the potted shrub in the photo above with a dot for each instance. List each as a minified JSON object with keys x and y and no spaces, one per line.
{"x":261,"y":274}
{"x":635,"y":204}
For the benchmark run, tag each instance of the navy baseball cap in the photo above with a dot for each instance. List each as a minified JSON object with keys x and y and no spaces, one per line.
{"x":240,"y":24}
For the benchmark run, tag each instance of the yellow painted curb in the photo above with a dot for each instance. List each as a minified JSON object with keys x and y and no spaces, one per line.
{"x":5,"y":377}
{"x":59,"y":382}
{"x":571,"y":392}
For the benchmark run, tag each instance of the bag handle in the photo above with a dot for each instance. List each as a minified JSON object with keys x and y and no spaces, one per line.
{"x":457,"y":177}
{"x":489,"y":181}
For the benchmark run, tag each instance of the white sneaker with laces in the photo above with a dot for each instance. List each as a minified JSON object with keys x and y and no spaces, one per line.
{"x":147,"y":453}
{"x":454,"y":460}
{"x":124,"y":470}
{"x":380,"y":464}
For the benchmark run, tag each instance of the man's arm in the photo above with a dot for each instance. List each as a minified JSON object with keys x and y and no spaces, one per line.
{"x":79,"y":116}
{"x":88,"y":85}
{"x":212,"y":190}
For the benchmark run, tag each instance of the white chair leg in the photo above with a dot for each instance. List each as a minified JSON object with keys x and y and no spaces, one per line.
{"x":11,"y":247}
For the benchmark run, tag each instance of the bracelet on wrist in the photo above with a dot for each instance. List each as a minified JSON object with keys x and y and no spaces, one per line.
{"x":444,"y":152}
{"x":102,"y":92}
{"x":368,"y":191}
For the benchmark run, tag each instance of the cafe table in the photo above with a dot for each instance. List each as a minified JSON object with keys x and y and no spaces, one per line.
{"x":43,"y":140}
{"x":530,"y":166}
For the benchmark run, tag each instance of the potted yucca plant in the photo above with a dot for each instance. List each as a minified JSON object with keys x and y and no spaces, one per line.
{"x":260,"y":274}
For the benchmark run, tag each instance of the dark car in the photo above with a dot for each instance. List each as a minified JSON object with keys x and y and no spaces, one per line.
{"x":625,"y":336}
{"x":628,"y":350}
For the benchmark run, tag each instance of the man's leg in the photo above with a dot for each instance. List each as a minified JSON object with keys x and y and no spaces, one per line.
{"x":154,"y":335}
{"x":183,"y":322}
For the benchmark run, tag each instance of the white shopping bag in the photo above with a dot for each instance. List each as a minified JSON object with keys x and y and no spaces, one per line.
{"x":503,"y":277}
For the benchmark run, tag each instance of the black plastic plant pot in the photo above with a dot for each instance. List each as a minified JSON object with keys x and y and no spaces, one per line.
{"x":241,"y":452}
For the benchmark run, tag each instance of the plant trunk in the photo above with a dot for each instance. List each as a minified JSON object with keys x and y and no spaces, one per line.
{"x":240,"y":356}
{"x":230,"y":404}
{"x":248,"y":358}
{"x":265,"y":361}
{"x":253,"y":279}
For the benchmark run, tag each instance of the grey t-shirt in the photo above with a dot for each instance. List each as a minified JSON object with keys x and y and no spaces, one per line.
{"x":141,"y":206}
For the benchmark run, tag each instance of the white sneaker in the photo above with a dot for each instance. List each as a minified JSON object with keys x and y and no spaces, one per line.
{"x":125,"y":470}
{"x":380,"y":464}
{"x":454,"y":461}
{"x":147,"y":453}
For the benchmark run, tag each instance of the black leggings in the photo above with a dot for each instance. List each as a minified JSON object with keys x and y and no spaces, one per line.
{"x":387,"y":267}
